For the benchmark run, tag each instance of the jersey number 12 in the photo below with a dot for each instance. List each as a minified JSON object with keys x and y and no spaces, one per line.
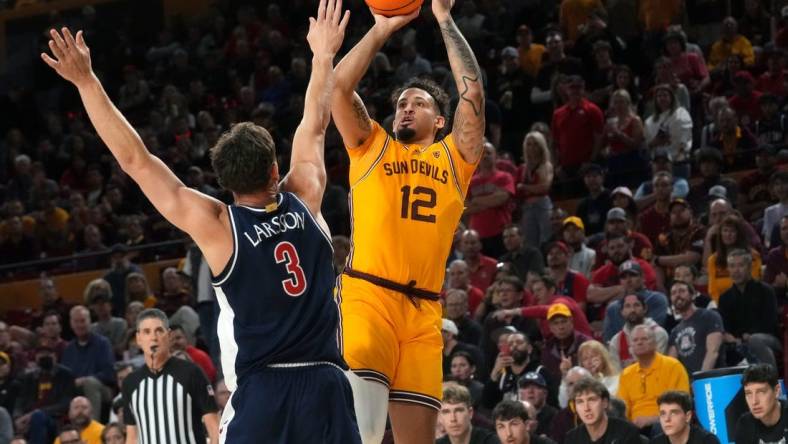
{"x":295,"y":284}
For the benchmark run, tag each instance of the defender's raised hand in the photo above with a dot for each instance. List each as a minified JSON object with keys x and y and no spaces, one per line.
{"x":71,"y":56}
{"x":442,"y":8}
{"x":327,"y":31}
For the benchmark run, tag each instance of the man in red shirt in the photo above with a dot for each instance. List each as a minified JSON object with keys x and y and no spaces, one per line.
{"x":577,"y":129}
{"x":618,"y":223}
{"x":745,"y":100}
{"x":482,"y":268}
{"x":488,"y":202}
{"x":460,"y":279}
{"x":567,"y":282}
{"x":655,"y":220}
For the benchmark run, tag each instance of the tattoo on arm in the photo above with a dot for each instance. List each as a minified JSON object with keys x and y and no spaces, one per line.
{"x":469,"y":72}
{"x":362,"y":118}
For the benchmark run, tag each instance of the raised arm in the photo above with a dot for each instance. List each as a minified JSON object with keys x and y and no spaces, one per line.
{"x":307,"y":176}
{"x":193,"y":212}
{"x":347,"y":108}
{"x":468,"y":126}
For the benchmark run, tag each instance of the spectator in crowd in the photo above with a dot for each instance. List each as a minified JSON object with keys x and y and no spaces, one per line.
{"x":754,"y":194}
{"x":533,"y":188}
{"x":771,"y":81}
{"x":591,"y":400}
{"x":577,"y":130}
{"x":670,"y":127}
{"x":138,"y":290}
{"x":13,"y":350}
{"x":79,"y":417}
{"x":507,"y":297}
{"x":622,"y":198}
{"x":730,"y":235}
{"x":719,"y":210}
{"x":455,"y":417}
{"x":16,"y":246}
{"x":98,"y":295}
{"x":675,"y":419}
{"x":463,"y":372}
{"x":595,"y":357}
{"x":515,"y":359}
{"x":70,"y":435}
{"x":633,"y":310}
{"x":482,"y":268}
{"x":765,"y":420}
{"x":511,"y":424}
{"x":776,"y":273}
{"x":530,"y":53}
{"x":710,"y":163}
{"x":451,"y":346}
{"x":180,"y":341}
{"x":122,"y":369}
{"x":522,"y":257}
{"x":121,"y":267}
{"x":749,"y":310}
{"x":89,"y":357}
{"x":533,"y":389}
{"x":661,"y":160}
{"x":687,"y":65}
{"x":731,"y":42}
{"x":593,"y":209}
{"x":113,"y":433}
{"x":487,"y":202}
{"x":567,"y":418}
{"x":642,"y":382}
{"x":9,"y":385}
{"x":567,"y":281}
{"x":457,"y":311}
{"x":459,"y":278}
{"x":44,"y":397}
{"x":697,"y":338}
{"x":221,"y":394}
{"x":736,"y":141}
{"x":619,"y":223}
{"x":173,"y":294}
{"x":769,"y":129}
{"x":773,"y":214}
{"x":556,"y":63}
{"x":583,"y":258}
{"x":560,"y":349}
{"x":655,"y":220}
{"x":683,"y":244}
{"x":623,"y":137}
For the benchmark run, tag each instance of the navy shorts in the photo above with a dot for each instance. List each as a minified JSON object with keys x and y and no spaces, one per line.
{"x":292,"y":406}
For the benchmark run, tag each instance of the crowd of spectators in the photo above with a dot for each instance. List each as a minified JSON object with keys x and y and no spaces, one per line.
{"x":626,"y":223}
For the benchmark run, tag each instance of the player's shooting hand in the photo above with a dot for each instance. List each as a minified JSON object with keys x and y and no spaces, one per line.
{"x":71,"y":56}
{"x":327,"y":31}
{"x":391,"y":24}
{"x":442,"y":8}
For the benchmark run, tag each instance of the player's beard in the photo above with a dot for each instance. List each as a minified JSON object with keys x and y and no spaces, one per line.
{"x":406,"y":134}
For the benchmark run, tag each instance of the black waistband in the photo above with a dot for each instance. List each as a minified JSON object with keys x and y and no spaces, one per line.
{"x":409,"y":290}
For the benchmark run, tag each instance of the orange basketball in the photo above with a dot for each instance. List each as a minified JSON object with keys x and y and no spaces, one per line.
{"x":394,"y":7}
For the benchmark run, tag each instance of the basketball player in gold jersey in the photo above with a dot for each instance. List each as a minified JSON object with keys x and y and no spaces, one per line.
{"x":407,"y":195}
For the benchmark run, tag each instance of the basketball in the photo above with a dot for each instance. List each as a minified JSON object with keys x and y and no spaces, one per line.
{"x":391,"y":8}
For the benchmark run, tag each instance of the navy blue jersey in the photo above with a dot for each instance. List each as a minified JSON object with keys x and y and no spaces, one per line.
{"x":276,"y":294}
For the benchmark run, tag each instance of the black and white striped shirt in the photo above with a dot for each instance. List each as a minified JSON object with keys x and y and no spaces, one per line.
{"x":167,"y":407}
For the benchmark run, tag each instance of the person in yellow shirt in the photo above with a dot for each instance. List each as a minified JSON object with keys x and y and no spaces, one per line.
{"x":574,"y":13}
{"x":407,"y":194}
{"x":79,"y":416}
{"x":530,"y":53}
{"x":652,"y":374}
{"x":730,"y":235}
{"x":730,"y":43}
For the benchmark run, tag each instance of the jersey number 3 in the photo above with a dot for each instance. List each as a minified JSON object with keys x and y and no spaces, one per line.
{"x":295,"y":284}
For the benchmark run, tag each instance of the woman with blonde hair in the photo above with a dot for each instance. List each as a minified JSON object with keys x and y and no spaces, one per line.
{"x":623,"y":139}
{"x":94,"y":287}
{"x":138,"y":289}
{"x":533,"y":188}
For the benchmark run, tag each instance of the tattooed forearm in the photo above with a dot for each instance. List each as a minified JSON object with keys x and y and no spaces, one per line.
{"x":465,"y":68}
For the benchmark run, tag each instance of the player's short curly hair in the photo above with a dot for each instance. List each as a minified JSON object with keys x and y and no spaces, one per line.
{"x":243,"y":157}
{"x":433,"y":89}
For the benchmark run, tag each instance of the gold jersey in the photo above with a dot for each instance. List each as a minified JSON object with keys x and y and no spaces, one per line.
{"x":405,"y":203}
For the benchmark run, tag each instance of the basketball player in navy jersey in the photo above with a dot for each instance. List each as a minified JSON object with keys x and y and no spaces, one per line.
{"x":269,"y":252}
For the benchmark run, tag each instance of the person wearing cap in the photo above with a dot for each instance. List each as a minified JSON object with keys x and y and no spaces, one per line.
{"x":730,"y":43}
{"x":632,"y":282}
{"x":682,"y":244}
{"x":591,"y":400}
{"x":774,"y":213}
{"x":559,"y":352}
{"x":655,"y":219}
{"x":619,"y":223}
{"x":582,"y":258}
{"x":451,"y":345}
{"x":98,"y":296}
{"x":455,"y":416}
{"x":567,"y":281}
{"x":652,"y":374}
{"x":577,"y":129}
{"x":622,"y":198}
{"x":593,"y":208}
{"x":44,"y":397}
{"x":543,"y":288}
{"x":530,"y":53}
{"x":533,"y":389}
{"x":710,"y":163}
{"x":521,"y":256}
{"x":661,"y":160}
{"x":670,"y":126}
{"x":606,"y":283}
{"x":633,"y":311}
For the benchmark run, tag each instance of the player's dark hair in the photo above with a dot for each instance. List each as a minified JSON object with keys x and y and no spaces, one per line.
{"x":588,"y":384}
{"x":430,"y":87}
{"x":763,"y":373}
{"x":243,"y":157}
{"x":682,"y":399}
{"x":507,"y":410}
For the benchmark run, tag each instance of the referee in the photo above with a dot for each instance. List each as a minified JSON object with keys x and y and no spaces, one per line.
{"x":169,"y":400}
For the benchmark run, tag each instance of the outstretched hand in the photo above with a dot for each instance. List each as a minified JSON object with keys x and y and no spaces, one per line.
{"x":71,"y":56}
{"x":394,"y":23}
{"x":327,"y":31}
{"x":442,"y":8}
